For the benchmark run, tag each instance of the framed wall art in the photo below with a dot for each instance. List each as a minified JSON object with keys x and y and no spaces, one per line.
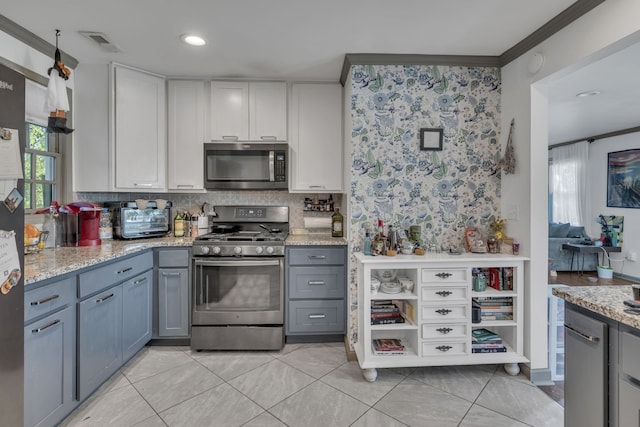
{"x":623,"y":179}
{"x":431,"y":139}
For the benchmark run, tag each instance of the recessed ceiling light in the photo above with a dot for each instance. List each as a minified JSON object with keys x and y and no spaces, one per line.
{"x":193,"y":40}
{"x":588,"y":93}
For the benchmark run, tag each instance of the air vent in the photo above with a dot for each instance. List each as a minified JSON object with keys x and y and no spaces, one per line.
{"x":102,"y":40}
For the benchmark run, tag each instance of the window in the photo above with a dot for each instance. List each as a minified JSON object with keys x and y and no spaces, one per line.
{"x":41,"y":160}
{"x":567,"y":180}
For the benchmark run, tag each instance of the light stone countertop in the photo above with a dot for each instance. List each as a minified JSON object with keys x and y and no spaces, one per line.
{"x":50,"y":263}
{"x":604,"y":300}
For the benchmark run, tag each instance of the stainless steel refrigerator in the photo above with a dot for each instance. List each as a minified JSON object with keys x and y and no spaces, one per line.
{"x":12,"y":116}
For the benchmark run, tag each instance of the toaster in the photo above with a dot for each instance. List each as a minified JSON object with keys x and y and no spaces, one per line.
{"x":131,"y":222}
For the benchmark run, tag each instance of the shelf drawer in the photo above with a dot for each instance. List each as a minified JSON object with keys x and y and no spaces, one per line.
{"x":445,"y":313}
{"x":316,"y":256}
{"x":443,"y":275}
{"x":444,"y":293}
{"x":442,"y":331}
{"x":316,"y":316}
{"x":316,"y":282}
{"x":173,"y":258}
{"x":445,"y":348}
{"x":49,"y":298}
{"x":630,"y":351}
{"x":102,"y":277}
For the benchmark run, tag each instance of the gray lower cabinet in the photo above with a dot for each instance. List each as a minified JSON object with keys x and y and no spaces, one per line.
{"x":49,"y":353}
{"x":137,"y":313}
{"x":99,"y":339}
{"x":315,"y":292}
{"x":173,"y":302}
{"x":629,"y":379}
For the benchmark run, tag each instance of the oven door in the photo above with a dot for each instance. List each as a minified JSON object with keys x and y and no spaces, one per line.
{"x":240,"y":291}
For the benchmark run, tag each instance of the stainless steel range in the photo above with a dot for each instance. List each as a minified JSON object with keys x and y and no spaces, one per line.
{"x":238,"y":280}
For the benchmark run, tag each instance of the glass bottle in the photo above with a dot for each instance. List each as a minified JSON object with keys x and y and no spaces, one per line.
{"x":53,"y":225}
{"x":178,"y":225}
{"x":367,"y":245}
{"x":337,"y":224}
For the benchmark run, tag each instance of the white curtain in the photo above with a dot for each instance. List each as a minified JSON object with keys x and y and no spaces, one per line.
{"x":568,"y":181}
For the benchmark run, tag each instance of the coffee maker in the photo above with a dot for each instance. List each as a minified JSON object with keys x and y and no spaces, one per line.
{"x":80,"y":224}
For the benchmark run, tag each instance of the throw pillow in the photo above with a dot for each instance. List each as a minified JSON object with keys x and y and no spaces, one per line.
{"x":576,"y":231}
{"x":559,"y":230}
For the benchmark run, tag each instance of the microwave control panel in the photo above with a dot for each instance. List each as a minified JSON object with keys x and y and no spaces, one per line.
{"x":280,"y":167}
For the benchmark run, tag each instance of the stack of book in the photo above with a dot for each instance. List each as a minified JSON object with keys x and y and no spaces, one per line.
{"x":485,"y":341}
{"x":385,"y":312}
{"x":388,"y":346}
{"x":496,"y":308}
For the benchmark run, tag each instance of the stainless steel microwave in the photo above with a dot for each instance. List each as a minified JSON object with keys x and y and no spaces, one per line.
{"x":245,"y":166}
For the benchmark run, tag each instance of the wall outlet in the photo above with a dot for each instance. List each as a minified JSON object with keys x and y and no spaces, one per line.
{"x":632,"y":256}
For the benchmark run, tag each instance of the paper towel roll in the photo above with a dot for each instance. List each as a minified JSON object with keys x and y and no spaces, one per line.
{"x":317,"y":222}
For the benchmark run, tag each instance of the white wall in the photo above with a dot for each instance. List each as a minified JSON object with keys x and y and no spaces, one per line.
{"x":611,"y":26}
{"x":598,"y":151}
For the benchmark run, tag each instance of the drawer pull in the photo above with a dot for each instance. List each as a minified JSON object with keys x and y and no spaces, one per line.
{"x":47,"y":326}
{"x":444,"y":294}
{"x":316,"y":282}
{"x":230,"y":137}
{"x":137,"y":282}
{"x":444,"y":330}
{"x":42,"y":301}
{"x":444,"y":348}
{"x":269,"y":138}
{"x":167,"y":274}
{"x":443,"y":311}
{"x":444,"y":275}
{"x":104,"y":299}
{"x":125,"y":270}
{"x":317,"y":316}
{"x":317,"y":257}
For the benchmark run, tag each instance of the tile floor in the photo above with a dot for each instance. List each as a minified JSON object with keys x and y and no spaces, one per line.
{"x":307,"y":385}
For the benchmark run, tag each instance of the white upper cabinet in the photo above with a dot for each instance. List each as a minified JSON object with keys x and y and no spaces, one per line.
{"x":187,"y":112}
{"x":248,"y":111}
{"x":139,"y":130}
{"x":316,"y":138}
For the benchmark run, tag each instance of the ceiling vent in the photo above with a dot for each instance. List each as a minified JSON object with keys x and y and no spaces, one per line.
{"x":102,"y":40}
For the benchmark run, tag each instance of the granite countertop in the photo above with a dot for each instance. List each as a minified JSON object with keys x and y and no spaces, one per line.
{"x":604,"y":300}
{"x":50,"y":263}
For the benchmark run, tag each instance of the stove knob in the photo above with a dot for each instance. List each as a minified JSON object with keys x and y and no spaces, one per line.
{"x":237,"y":250}
{"x":204,"y":250}
{"x":259,"y":250}
{"x":269,"y":249}
{"x":216,"y":250}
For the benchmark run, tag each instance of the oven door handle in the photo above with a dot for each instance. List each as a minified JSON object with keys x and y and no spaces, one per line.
{"x":238,"y":263}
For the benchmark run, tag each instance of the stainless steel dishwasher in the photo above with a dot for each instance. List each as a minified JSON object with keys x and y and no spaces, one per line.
{"x":586,"y":370}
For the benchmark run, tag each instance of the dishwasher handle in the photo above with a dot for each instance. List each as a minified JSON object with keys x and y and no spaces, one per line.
{"x":582,"y":335}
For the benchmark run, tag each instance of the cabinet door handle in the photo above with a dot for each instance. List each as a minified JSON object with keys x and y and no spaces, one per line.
{"x":137,"y":282}
{"x":444,"y":275}
{"x":47,"y":326}
{"x":444,"y":330}
{"x":124,"y":270}
{"x":581,"y":335}
{"x":443,"y":311}
{"x":164,"y":273}
{"x":137,"y":184}
{"x":99,"y":300}
{"x":268,"y":138}
{"x":231,"y":137}
{"x":185,"y":185}
{"x":317,"y":316}
{"x":316,"y":282}
{"x":316,"y":186}
{"x":444,"y":294}
{"x":42,"y":301}
{"x":317,"y":257}
{"x":444,"y":348}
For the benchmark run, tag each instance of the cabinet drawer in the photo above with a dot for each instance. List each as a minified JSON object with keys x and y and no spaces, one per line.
{"x":316,"y":282}
{"x":444,"y":293}
{"x":445,"y":348}
{"x":102,"y":277}
{"x":49,"y":298}
{"x":316,"y":316}
{"x":630,"y":352}
{"x":629,"y":405}
{"x":445,"y":312}
{"x":316,"y":256}
{"x":173,"y":258}
{"x":442,"y":331}
{"x":443,"y":275}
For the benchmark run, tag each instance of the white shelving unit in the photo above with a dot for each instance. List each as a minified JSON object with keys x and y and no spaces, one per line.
{"x":438,"y":311}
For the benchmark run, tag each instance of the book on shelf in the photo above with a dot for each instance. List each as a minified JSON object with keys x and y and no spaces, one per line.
{"x":487,"y":345}
{"x":388,"y":346}
{"x":496,"y":316}
{"x":381,"y":302}
{"x":384,"y":315}
{"x":387,"y":320}
{"x":489,"y":350}
{"x":496,"y":310}
{"x":493,"y":300}
{"x":483,"y":334}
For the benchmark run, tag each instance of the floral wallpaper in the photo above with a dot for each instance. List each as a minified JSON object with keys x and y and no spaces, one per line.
{"x":392,"y":179}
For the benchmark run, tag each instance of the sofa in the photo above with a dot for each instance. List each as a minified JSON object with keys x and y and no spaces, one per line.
{"x":560,"y":259}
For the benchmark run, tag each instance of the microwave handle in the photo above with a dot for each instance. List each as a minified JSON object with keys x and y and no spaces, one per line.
{"x":272,"y":166}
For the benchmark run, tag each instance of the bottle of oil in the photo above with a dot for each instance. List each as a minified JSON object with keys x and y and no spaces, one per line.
{"x":337,"y":224}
